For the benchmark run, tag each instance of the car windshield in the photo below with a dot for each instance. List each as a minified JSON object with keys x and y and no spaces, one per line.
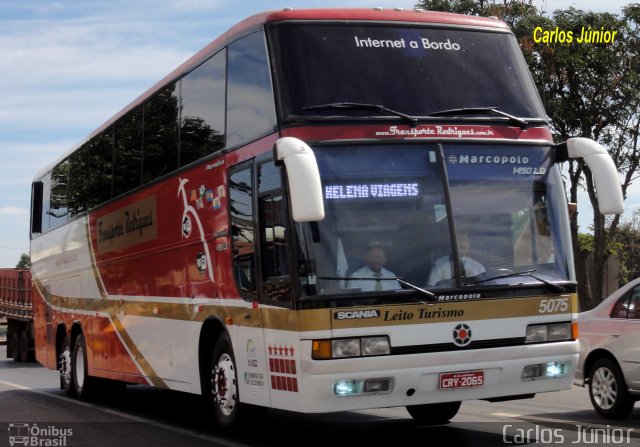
{"x":387,"y":212}
{"x":414,"y":70}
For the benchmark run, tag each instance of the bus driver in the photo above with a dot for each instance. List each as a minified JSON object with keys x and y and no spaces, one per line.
{"x":373,"y":276}
{"x":469,"y":267}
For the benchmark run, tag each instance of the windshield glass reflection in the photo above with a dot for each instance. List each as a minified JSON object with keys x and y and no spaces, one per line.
{"x":388,"y":217}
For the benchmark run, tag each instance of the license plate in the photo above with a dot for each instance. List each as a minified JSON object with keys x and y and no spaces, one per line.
{"x":467,"y":379}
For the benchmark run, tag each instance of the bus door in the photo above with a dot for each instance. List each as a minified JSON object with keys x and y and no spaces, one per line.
{"x":262,"y":275}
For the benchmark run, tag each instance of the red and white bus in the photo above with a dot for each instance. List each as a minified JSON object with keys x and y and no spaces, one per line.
{"x":210,"y":238}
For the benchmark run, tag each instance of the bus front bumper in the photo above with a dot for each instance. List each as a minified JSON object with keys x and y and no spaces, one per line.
{"x":402,"y":380}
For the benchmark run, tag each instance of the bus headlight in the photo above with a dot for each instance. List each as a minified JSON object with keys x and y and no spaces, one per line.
{"x":350,"y":347}
{"x":375,"y":346}
{"x":538,"y":333}
{"x":346,"y":347}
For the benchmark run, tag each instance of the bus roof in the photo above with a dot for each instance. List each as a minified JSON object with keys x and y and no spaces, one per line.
{"x":375,"y":14}
{"x":388,"y":15}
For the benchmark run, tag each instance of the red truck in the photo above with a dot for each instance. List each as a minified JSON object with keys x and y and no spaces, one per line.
{"x":17,"y":308}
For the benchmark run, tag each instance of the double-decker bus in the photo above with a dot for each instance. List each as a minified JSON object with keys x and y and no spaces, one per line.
{"x":212,"y":237}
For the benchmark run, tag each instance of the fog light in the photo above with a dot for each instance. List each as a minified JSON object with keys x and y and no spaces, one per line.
{"x":345,"y":388}
{"x":532,"y":371}
{"x":557,"y":369}
{"x":377,"y":385}
{"x":551,"y":370}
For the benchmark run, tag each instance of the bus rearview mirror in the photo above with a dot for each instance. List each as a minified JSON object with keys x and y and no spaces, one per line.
{"x":603,"y":170}
{"x":303,"y":176}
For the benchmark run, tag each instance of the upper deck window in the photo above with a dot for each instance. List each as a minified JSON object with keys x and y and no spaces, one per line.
{"x":415,"y":70}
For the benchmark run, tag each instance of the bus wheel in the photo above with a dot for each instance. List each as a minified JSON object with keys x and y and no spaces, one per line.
{"x":434,"y":414}
{"x":82,"y":382}
{"x":224,"y":384}
{"x":64,"y":366}
{"x":24,"y":346}
{"x":608,"y":390}
{"x":15,"y":347}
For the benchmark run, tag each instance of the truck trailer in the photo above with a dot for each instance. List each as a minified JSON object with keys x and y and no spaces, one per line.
{"x":16,"y":307}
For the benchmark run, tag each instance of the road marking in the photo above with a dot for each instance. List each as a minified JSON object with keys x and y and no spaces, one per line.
{"x":14,"y":385}
{"x":164,"y":426}
{"x":507,"y":415}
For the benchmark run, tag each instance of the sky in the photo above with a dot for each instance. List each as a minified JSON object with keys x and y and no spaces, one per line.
{"x":67,"y":66}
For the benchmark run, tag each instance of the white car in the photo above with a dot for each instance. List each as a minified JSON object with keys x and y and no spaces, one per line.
{"x":610,"y":352}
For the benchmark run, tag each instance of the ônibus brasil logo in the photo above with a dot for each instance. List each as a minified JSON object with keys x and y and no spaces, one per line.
{"x":35,"y":435}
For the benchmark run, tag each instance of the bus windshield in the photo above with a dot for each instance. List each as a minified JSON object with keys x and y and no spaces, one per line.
{"x":394,"y":211}
{"x":415,"y":70}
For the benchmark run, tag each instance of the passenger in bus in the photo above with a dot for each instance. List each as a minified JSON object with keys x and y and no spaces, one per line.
{"x":469,"y":267}
{"x":373,"y":276}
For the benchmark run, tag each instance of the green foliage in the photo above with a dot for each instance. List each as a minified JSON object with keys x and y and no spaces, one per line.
{"x":585,"y":241}
{"x":627,"y":247}
{"x":25,"y":262}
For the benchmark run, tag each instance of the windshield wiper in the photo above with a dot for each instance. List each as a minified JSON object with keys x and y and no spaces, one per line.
{"x":430,"y":295}
{"x":550,"y":285}
{"x":482,"y":110}
{"x":363,"y":106}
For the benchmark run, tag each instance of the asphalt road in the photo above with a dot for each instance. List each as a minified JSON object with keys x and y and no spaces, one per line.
{"x":32,"y":404}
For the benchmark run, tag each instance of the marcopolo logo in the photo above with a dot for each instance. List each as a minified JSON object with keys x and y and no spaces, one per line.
{"x":489,"y":159}
{"x":35,"y":435}
{"x":356,"y":314}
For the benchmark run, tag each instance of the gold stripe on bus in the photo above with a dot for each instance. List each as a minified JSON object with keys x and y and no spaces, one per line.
{"x":99,"y":306}
{"x":442,"y":312}
{"x":326,"y":319}
{"x":147,"y":369}
{"x":297,"y":320}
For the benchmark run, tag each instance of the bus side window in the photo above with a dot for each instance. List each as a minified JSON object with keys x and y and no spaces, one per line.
{"x":203,"y":99}
{"x":36,"y":207}
{"x":242,"y":229}
{"x":58,"y":205}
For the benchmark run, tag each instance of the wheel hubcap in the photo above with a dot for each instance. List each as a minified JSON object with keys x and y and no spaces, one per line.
{"x":79,"y":367}
{"x":65,"y":366}
{"x":223,"y":384}
{"x":604,"y":388}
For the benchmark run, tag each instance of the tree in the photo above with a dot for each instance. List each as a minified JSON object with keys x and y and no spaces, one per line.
{"x":626,"y":246}
{"x":25,"y":261}
{"x":589,"y":90}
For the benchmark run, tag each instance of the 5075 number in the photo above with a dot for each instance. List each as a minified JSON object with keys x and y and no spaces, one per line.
{"x":553,"y":305}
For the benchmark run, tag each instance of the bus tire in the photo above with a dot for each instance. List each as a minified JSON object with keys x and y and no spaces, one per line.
{"x":24,"y":346}
{"x":82,"y":381}
{"x":223,"y":385}
{"x":608,"y":390}
{"x":64,"y":366}
{"x":434,"y":414}
{"x":15,"y":346}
